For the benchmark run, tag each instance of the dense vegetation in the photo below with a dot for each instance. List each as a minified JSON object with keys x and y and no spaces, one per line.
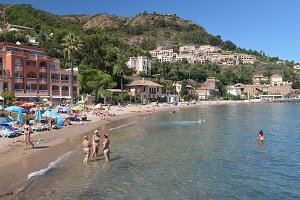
{"x":105,"y":39}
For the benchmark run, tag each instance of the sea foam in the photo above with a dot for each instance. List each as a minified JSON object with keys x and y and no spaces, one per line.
{"x":124,"y":125}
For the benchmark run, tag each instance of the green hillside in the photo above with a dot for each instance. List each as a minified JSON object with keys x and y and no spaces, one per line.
{"x":106,"y":38}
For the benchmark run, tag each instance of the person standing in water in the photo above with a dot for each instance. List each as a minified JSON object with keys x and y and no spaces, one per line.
{"x":106,"y":149}
{"x":260,"y":136}
{"x":96,"y":143}
{"x":27,"y":130}
{"x":86,"y":148}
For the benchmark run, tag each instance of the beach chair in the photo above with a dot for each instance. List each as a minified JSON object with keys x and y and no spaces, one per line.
{"x":7,"y":133}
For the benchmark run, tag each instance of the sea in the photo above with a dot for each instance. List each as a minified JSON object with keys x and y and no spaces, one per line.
{"x":207,"y":152}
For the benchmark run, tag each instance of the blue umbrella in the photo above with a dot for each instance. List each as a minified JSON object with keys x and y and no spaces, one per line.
{"x":38,"y":114}
{"x":59,"y":120}
{"x":16,"y":109}
{"x":49,"y":114}
{"x":20,"y":116}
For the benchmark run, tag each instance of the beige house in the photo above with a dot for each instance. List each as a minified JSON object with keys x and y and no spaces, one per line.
{"x":209,"y":89}
{"x":140,"y":64}
{"x":145,"y":89}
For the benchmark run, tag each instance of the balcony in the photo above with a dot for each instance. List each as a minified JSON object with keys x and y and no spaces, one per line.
{"x":55,"y":93}
{"x":65,"y":93}
{"x":43,"y":92}
{"x":18,"y":68}
{"x":18,"y":79}
{"x":31,"y":79}
{"x":65,"y":81}
{"x":43,"y":69}
{"x":55,"y":80}
{"x":18,"y":91}
{"x":43,"y":80}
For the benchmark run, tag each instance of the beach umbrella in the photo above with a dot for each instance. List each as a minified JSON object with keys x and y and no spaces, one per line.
{"x":77,"y":108}
{"x":13,"y":108}
{"x":38,"y":114}
{"x":49,"y":114}
{"x":26,"y":105}
{"x":17,"y":102}
{"x":59,"y":120}
{"x":20,"y":117}
{"x":45,"y":99}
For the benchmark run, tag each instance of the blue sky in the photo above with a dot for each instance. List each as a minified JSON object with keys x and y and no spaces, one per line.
{"x":268,"y":25}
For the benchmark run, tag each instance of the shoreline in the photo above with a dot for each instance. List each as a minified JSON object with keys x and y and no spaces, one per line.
{"x":16,"y":164}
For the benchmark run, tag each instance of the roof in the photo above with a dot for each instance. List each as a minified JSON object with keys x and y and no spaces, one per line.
{"x":143,"y":83}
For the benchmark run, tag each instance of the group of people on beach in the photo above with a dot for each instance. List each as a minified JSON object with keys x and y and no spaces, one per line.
{"x":95,"y":144}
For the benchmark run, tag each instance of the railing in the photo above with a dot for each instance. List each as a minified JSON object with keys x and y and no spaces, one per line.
{"x":18,"y":68}
{"x":55,"y":93}
{"x":55,"y":80}
{"x":19,"y":90}
{"x":43,"y":91}
{"x":65,"y":93}
{"x":65,"y":81}
{"x":43,"y":80}
{"x":31,"y":79}
{"x":43,"y":69}
{"x":18,"y":79}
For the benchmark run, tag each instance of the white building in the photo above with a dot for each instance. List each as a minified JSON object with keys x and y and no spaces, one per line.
{"x":140,"y":64}
{"x":235,"y":90}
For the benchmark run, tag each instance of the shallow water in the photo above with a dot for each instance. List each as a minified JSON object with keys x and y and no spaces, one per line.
{"x":181,"y":156}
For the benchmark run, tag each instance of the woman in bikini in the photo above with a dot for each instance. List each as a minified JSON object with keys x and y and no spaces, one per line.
{"x":86,"y":148}
{"x":96,"y":143}
{"x":106,"y":149}
{"x":27,"y":130}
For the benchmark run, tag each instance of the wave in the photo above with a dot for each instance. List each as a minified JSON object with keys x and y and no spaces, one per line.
{"x":124,"y":125}
{"x":45,"y":170}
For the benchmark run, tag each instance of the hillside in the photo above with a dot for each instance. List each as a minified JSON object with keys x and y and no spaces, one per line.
{"x":145,"y":31}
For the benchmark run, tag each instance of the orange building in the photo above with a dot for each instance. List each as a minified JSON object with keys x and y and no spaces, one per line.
{"x":30,"y":73}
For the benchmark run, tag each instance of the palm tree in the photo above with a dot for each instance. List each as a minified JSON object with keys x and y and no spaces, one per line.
{"x":72,"y":46}
{"x":120,"y":69}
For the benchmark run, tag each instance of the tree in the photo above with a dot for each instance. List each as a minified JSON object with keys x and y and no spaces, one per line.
{"x":183,"y":90}
{"x":72,"y":46}
{"x":8,"y":97}
{"x":120,"y":69}
{"x":94,"y":80}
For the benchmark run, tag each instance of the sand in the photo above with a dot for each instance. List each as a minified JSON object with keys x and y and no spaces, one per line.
{"x":16,"y":163}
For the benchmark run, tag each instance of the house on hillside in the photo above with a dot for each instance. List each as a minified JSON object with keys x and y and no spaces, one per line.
{"x":140,"y":64}
{"x":209,"y":89}
{"x":146,"y":90}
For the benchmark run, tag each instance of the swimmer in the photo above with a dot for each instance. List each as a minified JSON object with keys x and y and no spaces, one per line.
{"x":260,"y":136}
{"x":86,"y":148}
{"x":96,"y":143}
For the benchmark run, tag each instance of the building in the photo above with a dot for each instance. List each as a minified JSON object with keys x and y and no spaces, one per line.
{"x":258,"y":79}
{"x":209,"y":89}
{"x":32,"y":74}
{"x":140,"y":64}
{"x":247,"y":59}
{"x":146,"y":90}
{"x":209,"y":48}
{"x":236,"y":90}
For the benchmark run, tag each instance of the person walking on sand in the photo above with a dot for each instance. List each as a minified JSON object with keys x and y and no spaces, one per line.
{"x":260,"y":136}
{"x":96,"y":143}
{"x":106,"y":149}
{"x":27,"y":129}
{"x":86,"y":148}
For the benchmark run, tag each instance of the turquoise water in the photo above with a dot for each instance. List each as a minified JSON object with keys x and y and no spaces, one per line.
{"x":181,"y":156}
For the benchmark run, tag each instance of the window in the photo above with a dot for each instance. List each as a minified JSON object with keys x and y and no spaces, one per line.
{"x":52,"y":66}
{"x":18,"y":62}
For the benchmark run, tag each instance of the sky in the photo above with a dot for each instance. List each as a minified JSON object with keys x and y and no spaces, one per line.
{"x":271,"y":26}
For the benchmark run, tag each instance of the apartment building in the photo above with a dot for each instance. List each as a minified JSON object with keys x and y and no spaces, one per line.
{"x":247,"y":59}
{"x":209,"y":89}
{"x":203,"y":54}
{"x":140,"y":64}
{"x":30,"y":74}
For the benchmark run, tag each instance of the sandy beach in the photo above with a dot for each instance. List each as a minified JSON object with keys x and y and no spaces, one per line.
{"x":16,"y":163}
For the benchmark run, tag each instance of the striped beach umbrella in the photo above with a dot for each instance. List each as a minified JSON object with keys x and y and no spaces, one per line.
{"x":20,"y":117}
